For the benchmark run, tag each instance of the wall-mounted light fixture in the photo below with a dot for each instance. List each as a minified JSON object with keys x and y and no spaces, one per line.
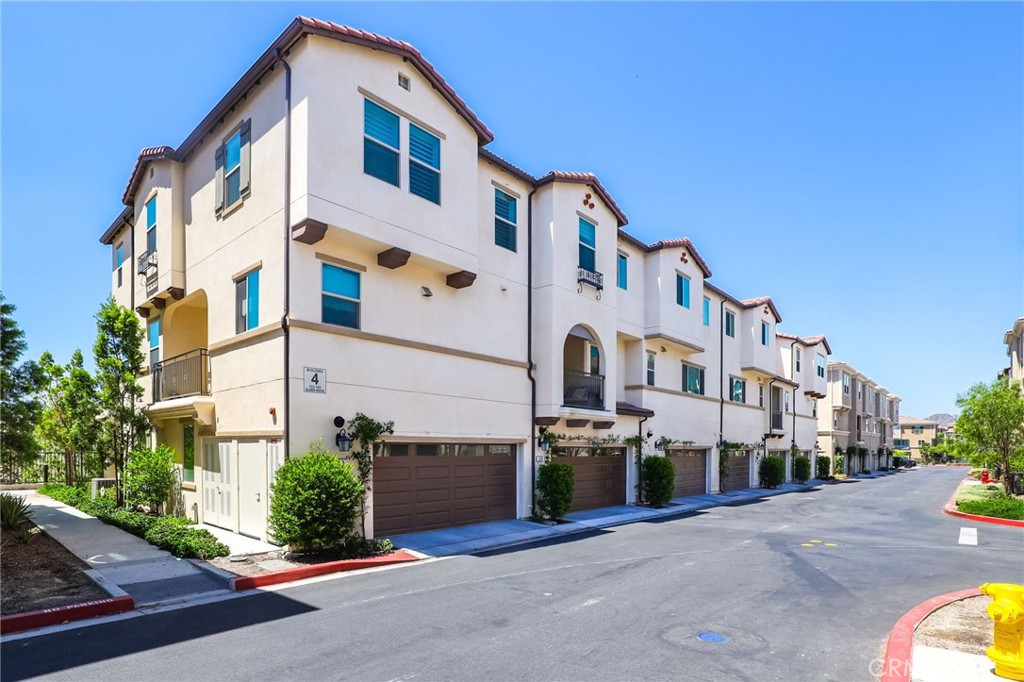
{"x":659,"y":445}
{"x":342,"y":439}
{"x":544,"y":444}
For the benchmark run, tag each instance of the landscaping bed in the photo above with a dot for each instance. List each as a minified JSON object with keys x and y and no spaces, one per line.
{"x":40,"y":573}
{"x":988,"y":499}
{"x":958,"y":626}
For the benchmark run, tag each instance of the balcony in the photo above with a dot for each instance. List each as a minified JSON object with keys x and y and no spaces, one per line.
{"x":594,"y":279}
{"x":583,"y":390}
{"x":147,"y":262}
{"x":184,"y":375}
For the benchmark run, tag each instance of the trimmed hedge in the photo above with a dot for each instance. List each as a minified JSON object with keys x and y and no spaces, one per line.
{"x":1003,"y":508}
{"x":314,"y":502}
{"x":823,"y":466}
{"x":658,"y":480}
{"x":772,"y":471}
{"x":555,"y":483}
{"x":801,"y":469}
{"x":166,"y":532}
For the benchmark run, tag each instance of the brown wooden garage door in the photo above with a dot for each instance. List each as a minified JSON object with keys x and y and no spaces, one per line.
{"x":599,"y":481}
{"x":429,"y":486}
{"x":691,"y":472}
{"x":738,"y":467}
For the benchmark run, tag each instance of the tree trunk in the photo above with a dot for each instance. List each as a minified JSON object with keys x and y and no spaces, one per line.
{"x":69,"y":468}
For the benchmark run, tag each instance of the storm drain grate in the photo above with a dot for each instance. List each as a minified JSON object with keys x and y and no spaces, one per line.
{"x":712,"y":637}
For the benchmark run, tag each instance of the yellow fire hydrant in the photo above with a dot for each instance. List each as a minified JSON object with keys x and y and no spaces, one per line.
{"x":1007,"y":612}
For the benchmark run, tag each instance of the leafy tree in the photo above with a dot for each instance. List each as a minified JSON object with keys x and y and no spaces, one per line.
{"x":19,"y":410}
{"x":68,"y":424}
{"x":149,"y":476}
{"x":991,"y":422}
{"x":119,"y":358}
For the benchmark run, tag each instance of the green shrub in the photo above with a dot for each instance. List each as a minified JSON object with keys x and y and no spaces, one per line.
{"x":555,"y":482}
{"x":149,"y":476}
{"x":181,"y":541}
{"x":314,"y":502}
{"x":840,"y":464}
{"x":801,"y":469}
{"x":1000,"y":508}
{"x":823,"y":468}
{"x":658,"y":480}
{"x":14,"y":510}
{"x":772,"y":471}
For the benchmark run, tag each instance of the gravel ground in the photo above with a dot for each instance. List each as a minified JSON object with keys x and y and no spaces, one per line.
{"x":960,"y":626}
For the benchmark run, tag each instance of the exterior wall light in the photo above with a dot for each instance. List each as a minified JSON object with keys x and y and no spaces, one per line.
{"x":659,"y":445}
{"x":342,"y":439}
{"x":544,"y":444}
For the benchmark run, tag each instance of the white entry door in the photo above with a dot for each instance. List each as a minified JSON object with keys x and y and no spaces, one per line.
{"x":252,"y":490}
{"x":218,"y":508}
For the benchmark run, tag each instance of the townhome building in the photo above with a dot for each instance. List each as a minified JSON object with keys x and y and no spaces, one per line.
{"x":916,"y":433}
{"x":856,"y":412}
{"x":1014,"y":341}
{"x":334,"y":238}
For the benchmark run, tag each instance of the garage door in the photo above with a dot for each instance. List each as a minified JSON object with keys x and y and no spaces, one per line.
{"x":600,"y":481}
{"x":426,"y":486}
{"x":738,"y":467}
{"x":691,"y":472}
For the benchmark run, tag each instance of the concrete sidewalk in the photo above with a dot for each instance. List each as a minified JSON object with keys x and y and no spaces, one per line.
{"x":497,"y":534}
{"x":121,"y":562}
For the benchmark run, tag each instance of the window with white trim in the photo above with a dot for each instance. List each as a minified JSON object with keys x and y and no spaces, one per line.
{"x":247,"y":302}
{"x":738,"y":390}
{"x":693,"y":379}
{"x":650,"y":368}
{"x":340,"y":296}
{"x":151,"y":225}
{"x":504,"y":220}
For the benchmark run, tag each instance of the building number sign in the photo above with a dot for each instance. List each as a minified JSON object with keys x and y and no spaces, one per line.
{"x":314,"y":380}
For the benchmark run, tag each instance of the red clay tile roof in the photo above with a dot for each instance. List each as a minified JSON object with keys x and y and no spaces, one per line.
{"x":807,"y":340}
{"x":681,"y":242}
{"x":630,"y":410}
{"x":145,"y":156}
{"x":586,"y":179}
{"x":762,"y":300}
{"x":508,"y":166}
{"x":403,"y":49}
{"x":298,"y":28}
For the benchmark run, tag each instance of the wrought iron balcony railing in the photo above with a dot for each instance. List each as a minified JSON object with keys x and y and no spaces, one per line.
{"x":594,"y":279}
{"x":182,"y":376}
{"x":583,"y":390}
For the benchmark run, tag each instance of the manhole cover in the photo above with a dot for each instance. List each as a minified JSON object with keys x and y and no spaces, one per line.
{"x":712,"y":637}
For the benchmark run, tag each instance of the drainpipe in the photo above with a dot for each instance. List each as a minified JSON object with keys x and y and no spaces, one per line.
{"x":132,"y":263}
{"x":287,"y":242}
{"x":792,"y":440}
{"x":529,"y":351}
{"x":721,"y":382}
{"x":639,"y":463}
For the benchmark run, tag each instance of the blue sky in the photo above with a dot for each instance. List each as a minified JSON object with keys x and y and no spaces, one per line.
{"x":863,"y":164}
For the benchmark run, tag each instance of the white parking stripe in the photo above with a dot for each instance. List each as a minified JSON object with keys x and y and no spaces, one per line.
{"x":968,"y":536}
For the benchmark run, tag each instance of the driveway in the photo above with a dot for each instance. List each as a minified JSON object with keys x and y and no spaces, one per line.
{"x":798,"y":586}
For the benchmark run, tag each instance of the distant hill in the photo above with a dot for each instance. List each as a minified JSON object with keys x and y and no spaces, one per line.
{"x":941,"y":418}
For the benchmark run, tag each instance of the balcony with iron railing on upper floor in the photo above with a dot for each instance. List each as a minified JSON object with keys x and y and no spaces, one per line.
{"x":147,"y":263}
{"x":182,"y":376}
{"x":583,"y":390}
{"x":587,"y":276}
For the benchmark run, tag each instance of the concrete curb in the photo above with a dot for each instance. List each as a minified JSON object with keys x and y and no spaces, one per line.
{"x":899,"y":649}
{"x":30,"y":620}
{"x":951,"y":510}
{"x":240,"y":583}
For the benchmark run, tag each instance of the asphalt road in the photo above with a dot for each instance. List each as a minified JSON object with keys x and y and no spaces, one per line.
{"x":622,"y":604}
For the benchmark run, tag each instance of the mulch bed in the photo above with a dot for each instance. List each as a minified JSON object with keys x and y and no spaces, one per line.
{"x":249,"y":564}
{"x":41,"y":573}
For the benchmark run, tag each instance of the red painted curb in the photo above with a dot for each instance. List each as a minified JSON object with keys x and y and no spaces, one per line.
{"x":951,"y":510}
{"x":300,"y":572}
{"x":30,"y":620}
{"x":899,"y":649}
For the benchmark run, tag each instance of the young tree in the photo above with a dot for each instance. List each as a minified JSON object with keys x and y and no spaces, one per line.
{"x":119,"y":358}
{"x":991,"y":421}
{"x":19,"y":410}
{"x":68,"y":424}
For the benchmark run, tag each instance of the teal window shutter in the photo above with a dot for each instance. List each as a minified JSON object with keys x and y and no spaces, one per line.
{"x":588,"y":245}
{"x":707,"y":312}
{"x":504,"y":220}
{"x":380,"y":143}
{"x":682,"y":290}
{"x":623,"y":271}
{"x":424,"y":164}
{"x":252,"y":312}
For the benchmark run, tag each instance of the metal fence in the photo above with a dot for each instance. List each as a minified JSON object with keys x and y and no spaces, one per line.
{"x":49,"y":466}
